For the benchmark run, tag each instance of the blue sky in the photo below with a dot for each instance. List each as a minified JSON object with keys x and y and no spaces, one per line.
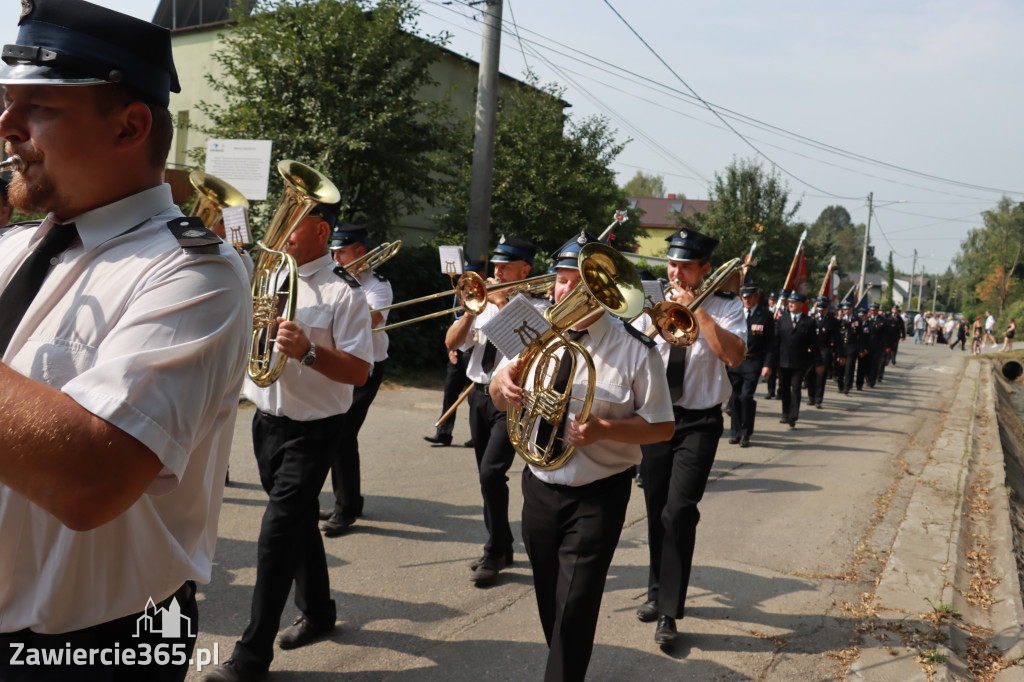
{"x":897,"y":90}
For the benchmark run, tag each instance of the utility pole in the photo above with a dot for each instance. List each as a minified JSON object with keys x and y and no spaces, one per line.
{"x":864,"y":255}
{"x":935,"y":292}
{"x":910,"y":289}
{"x":920,"y":290}
{"x":479,"y":225}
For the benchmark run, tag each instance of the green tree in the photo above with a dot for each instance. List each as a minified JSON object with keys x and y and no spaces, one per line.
{"x":835,"y":234}
{"x":340,"y":88}
{"x":645,"y":185}
{"x":552,"y":175}
{"x":748,"y":204}
{"x":890,"y":280}
{"x":989,"y":263}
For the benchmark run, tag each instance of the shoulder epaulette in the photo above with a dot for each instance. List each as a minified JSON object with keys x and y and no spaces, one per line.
{"x":638,"y":335}
{"x":27,"y":223}
{"x":725,"y":294}
{"x":191,"y":233}
{"x":347,"y":278}
{"x":380,"y":276}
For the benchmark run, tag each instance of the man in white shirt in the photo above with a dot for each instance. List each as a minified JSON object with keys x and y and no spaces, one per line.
{"x":573,"y":515}
{"x":675,"y":471}
{"x":116,"y":312}
{"x":296,"y":431}
{"x":348,"y":243}
{"x":990,"y":327}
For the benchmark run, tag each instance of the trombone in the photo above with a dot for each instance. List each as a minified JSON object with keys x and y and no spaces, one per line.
{"x":675,"y":322}
{"x":472,"y":293}
{"x":373,"y":259}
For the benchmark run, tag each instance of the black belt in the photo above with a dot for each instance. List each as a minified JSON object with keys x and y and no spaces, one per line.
{"x":482,"y":387}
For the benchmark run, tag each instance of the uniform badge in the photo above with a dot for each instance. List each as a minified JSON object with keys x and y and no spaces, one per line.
{"x":682,"y":234}
{"x":26,"y":8}
{"x":582,"y":239}
{"x":501,"y":240}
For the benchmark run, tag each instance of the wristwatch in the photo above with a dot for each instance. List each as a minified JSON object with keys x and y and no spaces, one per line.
{"x":310,"y":357}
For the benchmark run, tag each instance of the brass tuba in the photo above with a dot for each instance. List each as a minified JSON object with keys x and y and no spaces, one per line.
{"x":304,"y":188}
{"x":676,"y":322}
{"x":213,"y":195}
{"x":608,"y":281}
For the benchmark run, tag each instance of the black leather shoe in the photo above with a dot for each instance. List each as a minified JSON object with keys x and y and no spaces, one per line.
{"x":325,"y":514}
{"x":438,"y":440}
{"x":792,"y":423}
{"x":302,"y":632}
{"x":233,"y":671}
{"x":486,"y":574}
{"x":337,"y":525}
{"x":468,"y":444}
{"x":745,"y":442}
{"x":666,"y":633}
{"x":734,"y":440}
{"x":507,"y":560}
{"x":817,"y":405}
{"x":648,"y":611}
{"x":783,"y":420}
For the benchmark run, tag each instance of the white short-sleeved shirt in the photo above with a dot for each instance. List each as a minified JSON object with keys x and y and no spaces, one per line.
{"x":378,"y":295}
{"x":152,"y":338}
{"x":705,"y":383}
{"x":990,"y":323}
{"x":630,"y":380}
{"x":333,"y":315}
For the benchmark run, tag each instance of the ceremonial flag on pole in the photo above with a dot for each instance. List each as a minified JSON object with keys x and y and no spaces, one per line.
{"x":747,"y":262}
{"x":851,"y":296}
{"x":826,"y":284}
{"x":797,"y":279}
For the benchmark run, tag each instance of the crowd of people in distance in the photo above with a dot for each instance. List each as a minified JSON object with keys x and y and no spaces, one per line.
{"x":950,"y":330}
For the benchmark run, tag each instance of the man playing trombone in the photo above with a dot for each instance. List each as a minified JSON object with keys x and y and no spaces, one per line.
{"x":487,"y":424}
{"x":573,"y":515}
{"x":348,"y":243}
{"x":675,"y":471}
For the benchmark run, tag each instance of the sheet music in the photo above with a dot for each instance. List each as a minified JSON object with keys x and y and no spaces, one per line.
{"x":451,"y":260}
{"x":518,"y":324}
{"x":236,"y":225}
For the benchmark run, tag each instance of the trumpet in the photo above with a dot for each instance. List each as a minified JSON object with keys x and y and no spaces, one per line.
{"x":608,"y":281}
{"x":675,"y":322}
{"x":304,"y":188}
{"x":373,"y":259}
{"x":472,"y":293}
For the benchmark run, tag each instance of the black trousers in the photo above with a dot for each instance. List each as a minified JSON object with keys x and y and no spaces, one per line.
{"x":772,"y":382}
{"x":816,"y":382}
{"x":455,"y":381}
{"x":570,"y":535}
{"x":494,"y":455}
{"x":110,"y":641}
{"x":790,"y":392}
{"x":293,"y":458}
{"x":742,"y":405}
{"x":675,"y":474}
{"x":864,"y":363}
{"x":345,"y":477}
{"x":846,"y":373}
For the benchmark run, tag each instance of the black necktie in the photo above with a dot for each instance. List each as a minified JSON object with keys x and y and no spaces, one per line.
{"x":561,"y":382}
{"x":676,"y":371}
{"x":490,"y":352}
{"x":25,"y":284}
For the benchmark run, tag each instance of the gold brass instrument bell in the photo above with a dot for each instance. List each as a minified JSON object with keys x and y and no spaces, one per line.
{"x":373,"y":259}
{"x":607,"y":281}
{"x":213,"y":195}
{"x":304,"y":188}
{"x":472,"y":293}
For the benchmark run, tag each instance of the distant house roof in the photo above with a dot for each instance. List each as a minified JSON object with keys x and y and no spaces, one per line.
{"x":661,"y":212}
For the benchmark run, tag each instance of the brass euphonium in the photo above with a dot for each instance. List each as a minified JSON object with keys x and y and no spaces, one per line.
{"x":608,"y":281}
{"x":213,"y":195}
{"x":304,"y":188}
{"x":676,"y":322}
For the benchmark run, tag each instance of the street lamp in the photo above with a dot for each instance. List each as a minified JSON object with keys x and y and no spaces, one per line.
{"x":867,"y":231}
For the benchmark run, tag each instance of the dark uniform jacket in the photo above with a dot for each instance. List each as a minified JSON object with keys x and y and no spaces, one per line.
{"x":796,"y":347}
{"x":848,"y":334}
{"x":827,"y":328}
{"x":761,"y":335}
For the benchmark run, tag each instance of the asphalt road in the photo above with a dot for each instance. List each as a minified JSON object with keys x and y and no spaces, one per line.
{"x":792,"y":528}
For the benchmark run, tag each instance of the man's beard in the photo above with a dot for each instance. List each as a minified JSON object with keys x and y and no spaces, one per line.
{"x":39,"y":197}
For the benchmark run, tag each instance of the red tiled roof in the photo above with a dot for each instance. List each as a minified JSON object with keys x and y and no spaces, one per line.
{"x":660,"y":213}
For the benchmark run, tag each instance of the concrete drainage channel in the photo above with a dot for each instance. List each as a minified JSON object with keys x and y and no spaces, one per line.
{"x":1010,"y":416}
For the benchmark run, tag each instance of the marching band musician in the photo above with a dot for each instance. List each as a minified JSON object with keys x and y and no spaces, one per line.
{"x":296,"y":430}
{"x":116,"y":312}
{"x":573,"y":515}
{"x":487,"y":424}
{"x":757,"y":363}
{"x":796,"y":343}
{"x":773,"y":376}
{"x":348,"y":242}
{"x":675,"y":472}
